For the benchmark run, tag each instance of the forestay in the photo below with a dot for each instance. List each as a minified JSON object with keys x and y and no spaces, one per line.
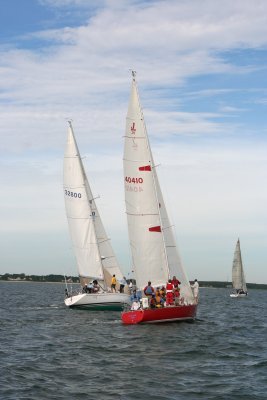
{"x":153,"y":247}
{"x":94,"y":254}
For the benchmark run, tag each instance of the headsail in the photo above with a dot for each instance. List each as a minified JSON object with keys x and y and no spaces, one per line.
{"x":238,"y":275}
{"x":94,"y":254}
{"x":154,"y":252}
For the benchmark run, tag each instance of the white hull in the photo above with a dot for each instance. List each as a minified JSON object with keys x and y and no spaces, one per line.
{"x":103,"y":300}
{"x":238,"y":295}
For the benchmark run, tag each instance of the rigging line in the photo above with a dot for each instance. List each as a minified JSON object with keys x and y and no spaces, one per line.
{"x":168,"y":227}
{"x":74,"y":218}
{"x":110,"y":267}
{"x":73,"y":187}
{"x":103,"y":258}
{"x":140,"y":215}
{"x":134,"y":137}
{"x":136,"y":161}
{"x":85,"y":247}
{"x":94,"y":198}
{"x":100,"y":241}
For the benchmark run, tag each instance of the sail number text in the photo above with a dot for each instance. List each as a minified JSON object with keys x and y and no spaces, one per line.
{"x":128,"y":179}
{"x":133,"y":188}
{"x":73,"y":194}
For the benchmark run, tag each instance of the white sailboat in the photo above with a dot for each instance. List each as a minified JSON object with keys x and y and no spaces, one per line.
{"x":155,"y":256}
{"x":94,"y":254}
{"x":238,"y":275}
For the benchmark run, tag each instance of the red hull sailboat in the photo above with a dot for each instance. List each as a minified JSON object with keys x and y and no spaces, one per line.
{"x":155,"y":256}
{"x":166,"y":314}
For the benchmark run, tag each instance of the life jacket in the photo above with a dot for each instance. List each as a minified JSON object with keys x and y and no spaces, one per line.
{"x":158,"y":299}
{"x":148,"y":290}
{"x":169,"y":287}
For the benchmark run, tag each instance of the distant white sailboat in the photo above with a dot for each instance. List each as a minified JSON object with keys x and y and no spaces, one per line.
{"x":94,"y":254}
{"x":238,"y":275}
{"x":154,"y":252}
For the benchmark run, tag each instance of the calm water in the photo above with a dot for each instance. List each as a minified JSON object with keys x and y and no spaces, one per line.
{"x":50,"y":352}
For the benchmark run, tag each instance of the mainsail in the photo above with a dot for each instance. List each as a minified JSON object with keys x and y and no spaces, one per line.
{"x":154,"y":252}
{"x":238,"y":276}
{"x":94,"y":254}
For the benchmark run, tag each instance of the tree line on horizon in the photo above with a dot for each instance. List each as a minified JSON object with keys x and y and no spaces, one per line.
{"x":39,"y":278}
{"x":75,"y":279}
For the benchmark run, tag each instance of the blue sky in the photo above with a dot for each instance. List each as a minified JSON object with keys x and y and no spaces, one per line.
{"x":201,"y":71}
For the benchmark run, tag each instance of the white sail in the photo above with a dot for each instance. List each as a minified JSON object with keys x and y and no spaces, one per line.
{"x":238,"y":275}
{"x":94,"y":254}
{"x":154,"y":252}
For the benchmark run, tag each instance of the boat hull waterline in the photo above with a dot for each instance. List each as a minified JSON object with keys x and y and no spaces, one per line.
{"x":166,"y":314}
{"x":238,"y":295}
{"x":100,"y":301}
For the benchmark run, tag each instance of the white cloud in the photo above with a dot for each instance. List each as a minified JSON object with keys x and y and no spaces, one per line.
{"x":82,"y":73}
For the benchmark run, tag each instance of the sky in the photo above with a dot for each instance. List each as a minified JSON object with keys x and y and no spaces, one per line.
{"x":202,"y":78}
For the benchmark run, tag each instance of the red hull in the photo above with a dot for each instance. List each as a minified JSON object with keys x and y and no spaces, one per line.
{"x":166,"y":314}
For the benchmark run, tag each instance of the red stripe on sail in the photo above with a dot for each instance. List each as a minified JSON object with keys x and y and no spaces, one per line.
{"x":155,"y":229}
{"x":145,"y":168}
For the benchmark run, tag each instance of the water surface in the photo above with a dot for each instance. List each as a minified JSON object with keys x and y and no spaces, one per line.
{"x":51,"y":352}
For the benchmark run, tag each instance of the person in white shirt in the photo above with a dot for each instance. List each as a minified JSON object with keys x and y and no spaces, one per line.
{"x":195,"y":288}
{"x":123,"y":283}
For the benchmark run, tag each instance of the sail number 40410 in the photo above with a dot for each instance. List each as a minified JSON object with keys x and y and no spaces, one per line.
{"x":73,"y":194}
{"x":128,"y":179}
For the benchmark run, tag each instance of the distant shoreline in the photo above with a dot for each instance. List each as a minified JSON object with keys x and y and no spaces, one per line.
{"x":21,"y":281}
{"x":74,"y":280}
